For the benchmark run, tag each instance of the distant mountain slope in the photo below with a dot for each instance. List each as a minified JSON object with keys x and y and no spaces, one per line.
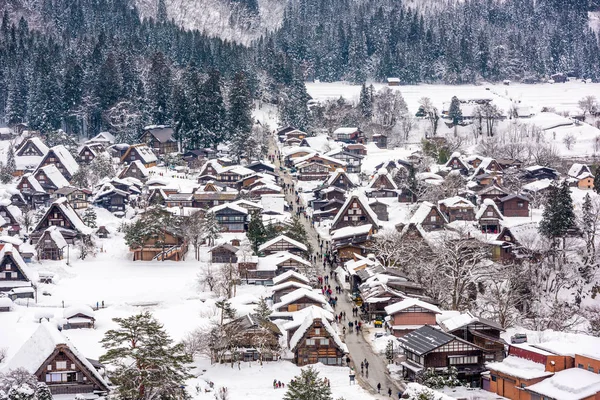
{"x":230,"y":20}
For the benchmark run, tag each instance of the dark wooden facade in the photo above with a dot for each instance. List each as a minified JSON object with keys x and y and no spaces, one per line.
{"x":355,"y":213}
{"x":514,"y":206}
{"x":160,"y":139}
{"x":317,"y":344}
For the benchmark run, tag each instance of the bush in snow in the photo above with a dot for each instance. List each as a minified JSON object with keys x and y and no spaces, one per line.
{"x":308,"y":386}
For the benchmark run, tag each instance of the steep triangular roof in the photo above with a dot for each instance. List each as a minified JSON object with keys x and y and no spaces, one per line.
{"x":383,"y":178}
{"x":284,"y":238}
{"x":309,"y":320}
{"x":38,"y":350}
{"x":69,"y":213}
{"x":34,"y":142}
{"x":339,"y":174}
{"x":9,"y":251}
{"x":488,"y":204}
{"x":64,"y":157}
{"x":288,"y":275}
{"x":363,"y":203}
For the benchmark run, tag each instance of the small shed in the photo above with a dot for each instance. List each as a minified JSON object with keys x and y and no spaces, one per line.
{"x":80,"y":316}
{"x":393,"y":81}
{"x":102,"y":232}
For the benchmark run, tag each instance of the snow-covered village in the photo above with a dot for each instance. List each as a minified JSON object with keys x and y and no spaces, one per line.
{"x":299,"y":200}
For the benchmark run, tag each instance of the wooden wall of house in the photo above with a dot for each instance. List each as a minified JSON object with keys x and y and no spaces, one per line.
{"x":414,"y":318}
{"x":311,"y":354}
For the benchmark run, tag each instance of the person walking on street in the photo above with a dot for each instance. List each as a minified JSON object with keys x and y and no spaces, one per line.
{"x":362,"y":368}
{"x":367,"y":366}
{"x":379,"y":388}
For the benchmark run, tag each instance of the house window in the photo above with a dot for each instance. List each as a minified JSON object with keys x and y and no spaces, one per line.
{"x":73,"y":366}
{"x":324,"y":342}
{"x":433,"y":218}
{"x":580,"y":366}
{"x":494,"y":378}
{"x":310,"y":342}
{"x":61,"y":365}
{"x":49,"y":367}
{"x":489,"y":213}
{"x":317,"y":331}
{"x":590,"y":368}
{"x":462,"y":360}
{"x":14,"y":275}
{"x":345,"y":218}
{"x":8,"y":266}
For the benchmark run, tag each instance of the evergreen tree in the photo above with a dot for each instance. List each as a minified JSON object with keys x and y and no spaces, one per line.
{"x":43,"y":392}
{"x":558,"y":216}
{"x":11,"y":165}
{"x":213,"y":114}
{"x":262,"y":308}
{"x":89,"y":217}
{"x":211,"y":228}
{"x":227,"y":311}
{"x":308,"y":386}
{"x":240,"y":106}
{"x":146,"y":363}
{"x":16,"y":102}
{"x":455,"y":113}
{"x":297,"y":232}
{"x":108,"y":86}
{"x":365,"y":102}
{"x":597,"y":180}
{"x":161,"y":12}
{"x":159,"y":89}
{"x":256,"y":231}
{"x":293,"y":105}
{"x":588,"y":228}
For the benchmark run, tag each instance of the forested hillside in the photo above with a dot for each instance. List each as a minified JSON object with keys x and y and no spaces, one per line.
{"x":455,"y":43}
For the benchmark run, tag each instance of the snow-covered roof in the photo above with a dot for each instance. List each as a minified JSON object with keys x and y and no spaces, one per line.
{"x":351,"y":231}
{"x":569,"y":384}
{"x":55,"y":176}
{"x":297,"y":295}
{"x":576,"y":168}
{"x":307,"y":323}
{"x":78,"y":309}
{"x":345,"y":130}
{"x":382,"y":171}
{"x":72,"y":215}
{"x":57,"y":236}
{"x":286,"y":285}
{"x":41,"y":345}
{"x":488,"y":203}
{"x":410,"y":302}
{"x":536,"y":186}
{"x":103,"y":137}
{"x":35,"y":185}
{"x":65,"y":158}
{"x":28,"y":273}
{"x":37,"y":142}
{"x":230,"y":206}
{"x":145,"y":152}
{"x":290,"y":274}
{"x":283,"y":256}
{"x":519,"y":368}
{"x":300,"y":160}
{"x":461,"y":320}
{"x":362,"y":199}
{"x":284,"y":238}
{"x":456,"y":201}
{"x":422,"y":212}
{"x":319,"y":143}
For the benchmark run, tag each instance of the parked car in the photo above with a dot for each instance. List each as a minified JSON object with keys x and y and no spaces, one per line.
{"x":518,"y":338}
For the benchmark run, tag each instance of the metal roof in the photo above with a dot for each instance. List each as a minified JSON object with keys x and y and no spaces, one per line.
{"x":425,"y":340}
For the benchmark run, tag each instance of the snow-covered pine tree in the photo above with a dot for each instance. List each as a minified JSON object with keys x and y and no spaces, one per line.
{"x":597,"y":180}
{"x":146,"y":363}
{"x":588,"y":224}
{"x":262,"y":308}
{"x":256,"y":230}
{"x":308,"y":386}
{"x":89,"y":217}
{"x":211,"y":228}
{"x":558,"y":215}
{"x":297,"y":231}
{"x":213,"y":114}
{"x":159,"y":89}
{"x":455,"y":113}
{"x":365,"y":103}
{"x":227,"y":310}
{"x":43,"y":392}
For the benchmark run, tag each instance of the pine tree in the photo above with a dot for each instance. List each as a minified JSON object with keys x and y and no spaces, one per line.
{"x":159,"y":89}
{"x":240,"y":106}
{"x":365,"y":103}
{"x":597,"y":180}
{"x":455,"y":113}
{"x":43,"y":392}
{"x":211,"y":228}
{"x":146,"y":363}
{"x":293,"y":105}
{"x":227,"y":311}
{"x":262,"y":308}
{"x":308,"y":386}
{"x":89,"y":217}
{"x":213,"y":114}
{"x":161,"y":13}
{"x":588,"y":228}
{"x":11,"y":165}
{"x":558,"y":216}
{"x":21,"y":392}
{"x":256,"y":230}
{"x":297,"y":232}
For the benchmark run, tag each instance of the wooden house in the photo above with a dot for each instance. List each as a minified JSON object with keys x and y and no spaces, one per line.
{"x":493,"y":192}
{"x":577,"y":169}
{"x":382,"y":185}
{"x":489,"y":217}
{"x":211,"y":195}
{"x":254,"y":338}
{"x":32,"y":192}
{"x":51,"y":357}
{"x":488,"y":165}
{"x":89,"y":152}
{"x":170,"y":246}
{"x":479,"y":331}
{"x":428,"y":217}
{"x":356,"y":148}
{"x":314,"y":341}
{"x":295,"y":134}
{"x":291,"y":276}
{"x":380,"y":209}
{"x":282,"y":262}
{"x":457,"y":209}
{"x":339,"y":179}
{"x":104,"y":138}
{"x":428,"y":347}
{"x":282,"y":243}
{"x":79,"y":316}
{"x":14,"y":272}
{"x":351,"y":240}
{"x":224,"y":253}
{"x":410,"y":314}
{"x":312,"y":171}
{"x":51,"y":245}
{"x":456,"y":163}
{"x":78,"y":198}
{"x":6,"y":304}
{"x":355,"y":212}
{"x":135,"y":170}
{"x":280,"y":290}
{"x":11,"y":214}
{"x":160,"y":139}
{"x":140,"y":152}
{"x":62,"y":159}
{"x":393,"y":81}
{"x":520,"y":242}
{"x":538,"y":172}
{"x":111,"y":198}
{"x":300,"y":299}
{"x":353,"y":161}
{"x":261,"y":166}
{"x":514,"y":205}
{"x":50,"y":178}
{"x":33,"y":146}
{"x":380,"y":140}
{"x":61,"y":214}
{"x":585,"y":181}
{"x":231,"y":217}
{"x":348,"y":135}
